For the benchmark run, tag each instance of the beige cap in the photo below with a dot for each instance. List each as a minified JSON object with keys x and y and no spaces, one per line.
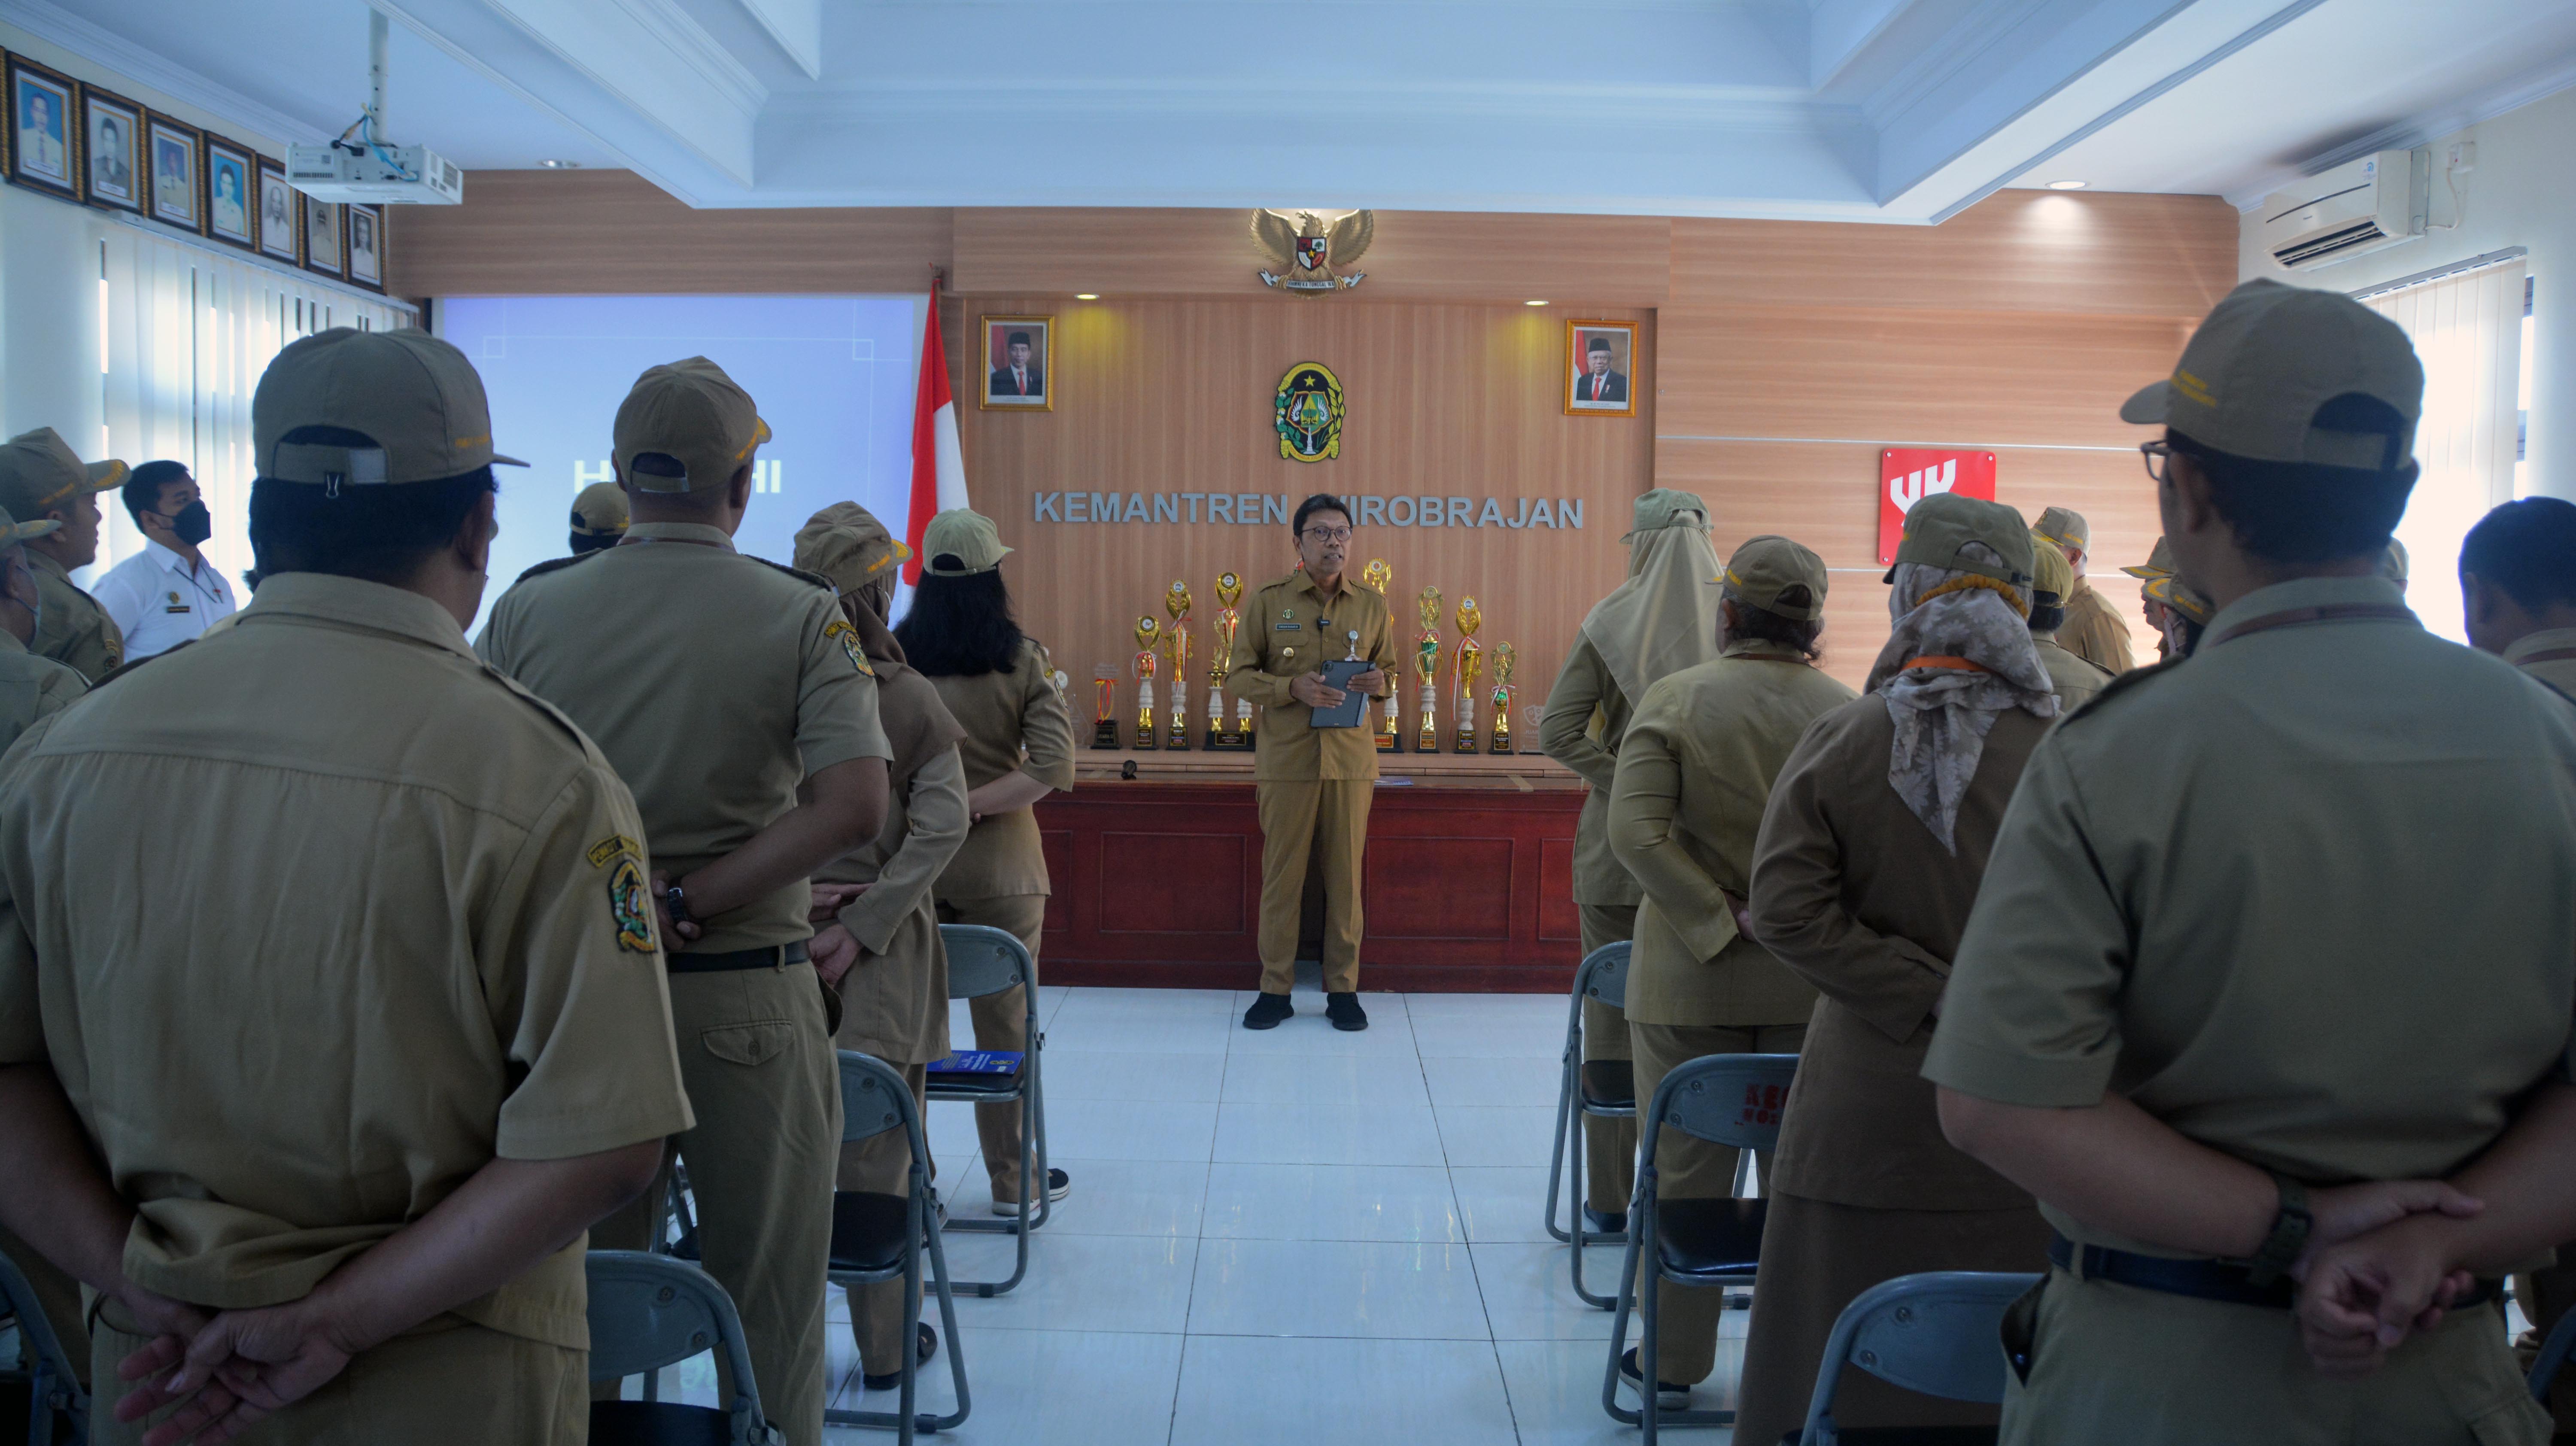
{"x":2064,"y":526}
{"x":2253,"y":377}
{"x":966,"y":535}
{"x":600,"y":510}
{"x":38,"y":473}
{"x":1939,"y":526}
{"x":689,"y":410}
{"x":1767,"y":566}
{"x":2159,"y":563}
{"x":2393,"y":566}
{"x":1668,"y":507}
{"x":13,"y":532}
{"x":2169,"y":590}
{"x":847,"y":544}
{"x":2050,"y":572}
{"x":415,"y":397}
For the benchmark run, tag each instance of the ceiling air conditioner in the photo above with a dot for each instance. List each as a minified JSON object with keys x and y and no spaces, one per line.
{"x":2365,"y":205}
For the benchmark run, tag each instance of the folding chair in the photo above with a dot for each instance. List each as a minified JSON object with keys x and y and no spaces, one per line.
{"x":1725,"y":1099}
{"x":1604,"y":1089}
{"x":55,"y":1400}
{"x":1938,"y":1333}
{"x":882,"y":1237}
{"x":649,"y":1311}
{"x":2553,"y":1355}
{"x":983,"y":960}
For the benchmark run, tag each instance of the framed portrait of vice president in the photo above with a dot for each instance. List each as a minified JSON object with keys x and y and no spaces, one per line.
{"x":1019,"y":364}
{"x":1601,"y":369}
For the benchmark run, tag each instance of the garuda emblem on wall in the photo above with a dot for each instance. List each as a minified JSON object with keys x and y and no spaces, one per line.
{"x":1304,"y":246}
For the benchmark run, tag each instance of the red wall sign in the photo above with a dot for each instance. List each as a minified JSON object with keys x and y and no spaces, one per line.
{"x":1907,"y":475}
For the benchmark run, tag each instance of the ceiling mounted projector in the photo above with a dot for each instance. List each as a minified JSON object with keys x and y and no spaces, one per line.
{"x":360,"y":166}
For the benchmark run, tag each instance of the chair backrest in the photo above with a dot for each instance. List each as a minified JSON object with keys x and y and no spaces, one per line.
{"x":874,"y":1099}
{"x":1603,"y":975}
{"x":2553,"y":1354}
{"x":649,"y":1311}
{"x":1726,"y":1099}
{"x":54,"y":1378}
{"x":984,"y":960}
{"x":1938,"y":1333}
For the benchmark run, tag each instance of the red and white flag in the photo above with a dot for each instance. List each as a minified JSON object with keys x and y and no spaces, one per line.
{"x":938,"y":468}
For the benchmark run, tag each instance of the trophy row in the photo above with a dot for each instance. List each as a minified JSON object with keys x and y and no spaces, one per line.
{"x":1159,"y":645}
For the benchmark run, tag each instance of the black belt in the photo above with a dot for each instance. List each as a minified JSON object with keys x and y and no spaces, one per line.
{"x":2202,"y":1279}
{"x":776,"y":956}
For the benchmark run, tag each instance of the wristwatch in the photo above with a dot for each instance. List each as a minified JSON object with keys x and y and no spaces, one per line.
{"x":676,"y":904}
{"x":2290,"y":1230}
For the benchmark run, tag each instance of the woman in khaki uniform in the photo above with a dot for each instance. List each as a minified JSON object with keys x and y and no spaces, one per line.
{"x":1017,"y":749}
{"x":2076,"y":680}
{"x":1684,"y":810}
{"x":881,"y":950}
{"x":1870,"y":855}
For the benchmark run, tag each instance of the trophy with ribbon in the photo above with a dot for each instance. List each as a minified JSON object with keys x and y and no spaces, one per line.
{"x":1229,"y":621}
{"x":1504,"y":658}
{"x":1471,"y":662}
{"x":1104,"y":713}
{"x":1176,"y":641}
{"x":1426,"y":669}
{"x":1380,"y":577}
{"x":1147,"y":630}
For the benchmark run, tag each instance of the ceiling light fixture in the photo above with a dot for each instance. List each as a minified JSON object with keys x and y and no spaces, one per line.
{"x":2068,"y":185}
{"x":1533,"y":303}
{"x":560,"y":165}
{"x":1086,"y":296}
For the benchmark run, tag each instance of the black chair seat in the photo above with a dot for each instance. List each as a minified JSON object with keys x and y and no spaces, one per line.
{"x":869,"y":1230}
{"x":1708,"y":1237}
{"x":658,"y":1423}
{"x":1609,"y":1084}
{"x":1905,"y":1436}
{"x":964,"y":1086}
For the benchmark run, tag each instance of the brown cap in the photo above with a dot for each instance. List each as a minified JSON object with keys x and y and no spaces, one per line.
{"x":13,"y":532}
{"x":414,"y":397}
{"x":2064,"y":526}
{"x":2050,"y":572}
{"x":1939,"y":528}
{"x":1668,"y":507}
{"x":847,"y":544}
{"x":1765,"y":567}
{"x":2169,"y":590}
{"x":692,"y":412}
{"x":2159,"y":563}
{"x":39,"y":473}
{"x":2252,"y":378}
{"x":600,"y":510}
{"x":965,"y":535}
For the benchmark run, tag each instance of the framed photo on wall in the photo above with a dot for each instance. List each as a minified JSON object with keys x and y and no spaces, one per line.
{"x":178,"y":174}
{"x":1019,"y":364}
{"x":281,"y":220}
{"x":322,"y":237}
{"x":111,"y":148}
{"x":44,"y":146}
{"x":366,"y":246}
{"x":1601,"y":369}
{"x":232,"y":187}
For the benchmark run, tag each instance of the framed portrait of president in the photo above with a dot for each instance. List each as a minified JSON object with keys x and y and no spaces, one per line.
{"x":1019,"y":364}
{"x":1601,"y":369}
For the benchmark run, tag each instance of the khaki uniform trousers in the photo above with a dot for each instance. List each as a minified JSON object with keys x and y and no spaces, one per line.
{"x":1001,"y":1023}
{"x":2546,"y":1295}
{"x":765,"y":1084}
{"x":59,"y":1296}
{"x":881,"y":1164}
{"x":2113,"y":1365}
{"x":1609,"y":1146}
{"x":1689,"y":1168}
{"x":1325,"y":820}
{"x":446,"y":1383}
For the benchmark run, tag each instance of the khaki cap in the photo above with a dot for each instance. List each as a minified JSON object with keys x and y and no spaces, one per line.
{"x":2159,"y":563}
{"x":2064,"y":526}
{"x":1668,"y":507}
{"x":1767,"y":566}
{"x":415,"y":397}
{"x":2169,"y":590}
{"x":1941,"y":525}
{"x":13,"y":532}
{"x":965,"y":534}
{"x":600,"y":510}
{"x":38,"y":473}
{"x":846,"y":543}
{"x":2253,"y":376}
{"x":2050,"y":572}
{"x":692,"y":411}
{"x":2393,"y":566}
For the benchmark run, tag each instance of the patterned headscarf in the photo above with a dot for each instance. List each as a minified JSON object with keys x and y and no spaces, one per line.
{"x":1960,"y":654}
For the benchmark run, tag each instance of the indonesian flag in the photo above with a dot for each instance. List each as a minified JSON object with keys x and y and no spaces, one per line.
{"x":938,"y":468}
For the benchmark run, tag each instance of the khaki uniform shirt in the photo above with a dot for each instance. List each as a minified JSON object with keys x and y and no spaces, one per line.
{"x":74,"y":630}
{"x":713,"y":681}
{"x":390,"y":925}
{"x":1855,"y":895}
{"x":1285,"y":633}
{"x":2247,"y":894}
{"x":1685,"y":806}
{"x":2549,"y":656}
{"x":1585,"y":721}
{"x":894,"y":1001}
{"x":2093,"y":632}
{"x":2076,"y":680}
{"x":31,"y":688}
{"x":1015,"y":722}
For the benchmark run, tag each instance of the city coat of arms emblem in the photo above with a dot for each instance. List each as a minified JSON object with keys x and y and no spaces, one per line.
{"x":1307,"y":413}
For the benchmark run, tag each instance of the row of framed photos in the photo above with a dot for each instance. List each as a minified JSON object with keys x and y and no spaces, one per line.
{"x":82,"y":143}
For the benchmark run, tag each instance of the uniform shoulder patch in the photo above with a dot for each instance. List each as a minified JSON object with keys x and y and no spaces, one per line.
{"x":627,"y":906}
{"x":557,"y":564}
{"x":610,"y":847}
{"x":815,"y":579}
{"x":840,"y":628}
{"x":2119,"y":686}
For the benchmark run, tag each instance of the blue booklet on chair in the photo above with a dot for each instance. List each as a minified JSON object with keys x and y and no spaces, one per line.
{"x":979,"y":1061}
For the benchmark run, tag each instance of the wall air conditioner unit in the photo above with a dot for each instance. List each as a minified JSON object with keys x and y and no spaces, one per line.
{"x":2362,"y":206}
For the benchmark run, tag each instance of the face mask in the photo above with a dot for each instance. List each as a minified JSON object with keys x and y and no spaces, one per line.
{"x":194,"y":524}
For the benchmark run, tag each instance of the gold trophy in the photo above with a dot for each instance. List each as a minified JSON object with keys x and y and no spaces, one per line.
{"x":1147,"y":630}
{"x":1104,"y":713}
{"x":1229,"y":621}
{"x":1471,"y":661}
{"x":1380,"y":577}
{"x":1426,"y":667}
{"x":1504,"y":657}
{"x":1176,"y":640}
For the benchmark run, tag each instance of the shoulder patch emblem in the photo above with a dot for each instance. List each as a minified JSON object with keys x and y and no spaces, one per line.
{"x":628,"y":908}
{"x":840,"y":628}
{"x":610,"y":847}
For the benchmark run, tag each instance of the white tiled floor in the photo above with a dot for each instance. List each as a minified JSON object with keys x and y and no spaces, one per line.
{"x":1299,"y":1236}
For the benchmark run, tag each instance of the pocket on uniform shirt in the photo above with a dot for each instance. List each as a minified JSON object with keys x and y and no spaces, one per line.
{"x":755,"y":1043}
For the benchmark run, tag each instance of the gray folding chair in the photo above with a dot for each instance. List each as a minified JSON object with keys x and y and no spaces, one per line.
{"x":55,"y":1400}
{"x":2553,"y":1355}
{"x":1939,"y":1333}
{"x":1600,"y":1089}
{"x":981,"y":961}
{"x":1725,"y":1099}
{"x":650,"y":1311}
{"x":882,"y":1237}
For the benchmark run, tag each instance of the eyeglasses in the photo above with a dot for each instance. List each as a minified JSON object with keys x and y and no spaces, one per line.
{"x":2159,"y":458}
{"x":1329,"y":534}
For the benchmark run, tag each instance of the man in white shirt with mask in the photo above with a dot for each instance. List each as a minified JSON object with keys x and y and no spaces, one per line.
{"x":168,"y":593}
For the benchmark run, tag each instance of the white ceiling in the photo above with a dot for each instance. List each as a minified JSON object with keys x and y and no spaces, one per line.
{"x":1893,"y":110}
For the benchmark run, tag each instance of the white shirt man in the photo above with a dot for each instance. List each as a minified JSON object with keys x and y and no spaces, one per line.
{"x":168,"y":593}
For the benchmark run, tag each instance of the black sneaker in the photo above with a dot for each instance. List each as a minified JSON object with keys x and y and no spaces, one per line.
{"x":1058,"y":1185}
{"x":1267,"y":1011}
{"x":1604,"y":1222}
{"x":1668,"y":1396}
{"x":927,"y":1345}
{"x":1345,"y":1012}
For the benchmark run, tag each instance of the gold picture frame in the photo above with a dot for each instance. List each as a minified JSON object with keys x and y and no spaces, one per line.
{"x":1614,"y":388}
{"x":1030,"y":385}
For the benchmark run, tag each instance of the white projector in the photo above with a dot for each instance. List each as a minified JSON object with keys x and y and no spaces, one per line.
{"x":402,"y":175}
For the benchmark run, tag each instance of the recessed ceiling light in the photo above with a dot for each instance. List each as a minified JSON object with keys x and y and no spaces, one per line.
{"x":1533,"y":303}
{"x":561,"y":165}
{"x":2068,"y":185}
{"x":1086,"y":296}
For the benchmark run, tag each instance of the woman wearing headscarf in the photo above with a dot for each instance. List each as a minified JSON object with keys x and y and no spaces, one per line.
{"x":1661,"y":620}
{"x":1018,"y":748}
{"x":1877,"y":834}
{"x":2076,"y":680}
{"x":1685,"y":806}
{"x":878,"y":944}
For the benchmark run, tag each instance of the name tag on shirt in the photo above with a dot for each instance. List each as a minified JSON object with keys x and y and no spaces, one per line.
{"x":1289,"y":628}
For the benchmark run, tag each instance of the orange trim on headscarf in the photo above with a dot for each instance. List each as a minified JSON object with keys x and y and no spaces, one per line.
{"x":2013,"y":597}
{"x":1954,"y":664}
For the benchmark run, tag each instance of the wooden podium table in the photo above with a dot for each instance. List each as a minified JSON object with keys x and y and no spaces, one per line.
{"x":1468,"y":883}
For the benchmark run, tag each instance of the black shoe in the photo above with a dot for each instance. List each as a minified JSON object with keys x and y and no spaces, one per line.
{"x":1058,"y":1185}
{"x":1668,"y":1396}
{"x":1267,"y":1011}
{"x":1604,"y":1222}
{"x":927,"y":1344}
{"x":1345,"y":1012}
